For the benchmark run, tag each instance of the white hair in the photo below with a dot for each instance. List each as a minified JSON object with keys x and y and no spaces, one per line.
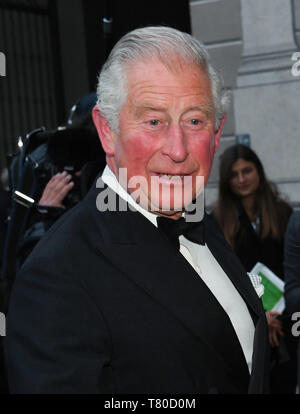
{"x":165,"y":44}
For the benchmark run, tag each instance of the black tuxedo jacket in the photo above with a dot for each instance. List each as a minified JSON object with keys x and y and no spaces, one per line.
{"x":104,"y":304}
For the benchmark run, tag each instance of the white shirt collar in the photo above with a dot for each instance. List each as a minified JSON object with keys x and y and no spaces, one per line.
{"x":109,"y":178}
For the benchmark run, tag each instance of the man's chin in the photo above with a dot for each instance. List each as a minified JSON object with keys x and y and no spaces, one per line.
{"x":167,"y":208}
{"x":172,"y":214}
{"x":165,"y":204}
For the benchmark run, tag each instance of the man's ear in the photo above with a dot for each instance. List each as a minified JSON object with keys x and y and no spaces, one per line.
{"x":218,"y":133}
{"x":107,"y":137}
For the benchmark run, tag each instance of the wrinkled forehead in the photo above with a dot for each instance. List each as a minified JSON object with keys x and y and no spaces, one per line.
{"x":151,"y":78}
{"x":176,"y":64}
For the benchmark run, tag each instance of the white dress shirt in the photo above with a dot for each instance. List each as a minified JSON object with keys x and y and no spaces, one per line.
{"x":212,"y":274}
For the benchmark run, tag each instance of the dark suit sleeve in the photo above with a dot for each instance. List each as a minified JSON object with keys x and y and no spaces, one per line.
{"x":292,"y":264}
{"x":57,"y":340}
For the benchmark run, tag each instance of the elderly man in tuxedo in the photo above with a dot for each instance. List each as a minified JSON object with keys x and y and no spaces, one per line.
{"x":133,"y":291}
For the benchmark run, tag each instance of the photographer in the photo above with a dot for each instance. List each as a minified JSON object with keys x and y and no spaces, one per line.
{"x":51,"y":172}
{"x":73,"y":159}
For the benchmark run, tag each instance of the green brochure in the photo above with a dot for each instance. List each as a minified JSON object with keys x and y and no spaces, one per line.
{"x":272,"y":298}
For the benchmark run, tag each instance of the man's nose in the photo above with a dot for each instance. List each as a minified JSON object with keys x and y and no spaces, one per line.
{"x":175,"y":144}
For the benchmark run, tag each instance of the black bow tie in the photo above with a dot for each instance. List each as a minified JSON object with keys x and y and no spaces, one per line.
{"x":193,"y":231}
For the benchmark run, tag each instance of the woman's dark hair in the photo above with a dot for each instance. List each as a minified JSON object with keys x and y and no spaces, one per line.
{"x":271,"y":209}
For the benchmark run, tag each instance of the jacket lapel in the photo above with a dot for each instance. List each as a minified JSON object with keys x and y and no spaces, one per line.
{"x":235,"y":271}
{"x":232,"y":267}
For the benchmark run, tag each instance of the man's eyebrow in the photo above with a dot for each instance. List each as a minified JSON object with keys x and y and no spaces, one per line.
{"x":207,"y":109}
{"x":140,"y":109}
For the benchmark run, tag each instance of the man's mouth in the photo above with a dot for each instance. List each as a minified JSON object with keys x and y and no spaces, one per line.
{"x":169,"y":178}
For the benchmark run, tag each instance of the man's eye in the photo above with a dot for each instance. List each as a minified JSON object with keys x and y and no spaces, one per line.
{"x":154,"y":122}
{"x":195,"y":121}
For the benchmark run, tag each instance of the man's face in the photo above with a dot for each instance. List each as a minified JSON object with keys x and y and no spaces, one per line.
{"x":166,"y":134}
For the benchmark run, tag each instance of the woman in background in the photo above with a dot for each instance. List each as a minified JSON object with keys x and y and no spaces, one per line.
{"x":249,"y":210}
{"x":254,"y":219}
